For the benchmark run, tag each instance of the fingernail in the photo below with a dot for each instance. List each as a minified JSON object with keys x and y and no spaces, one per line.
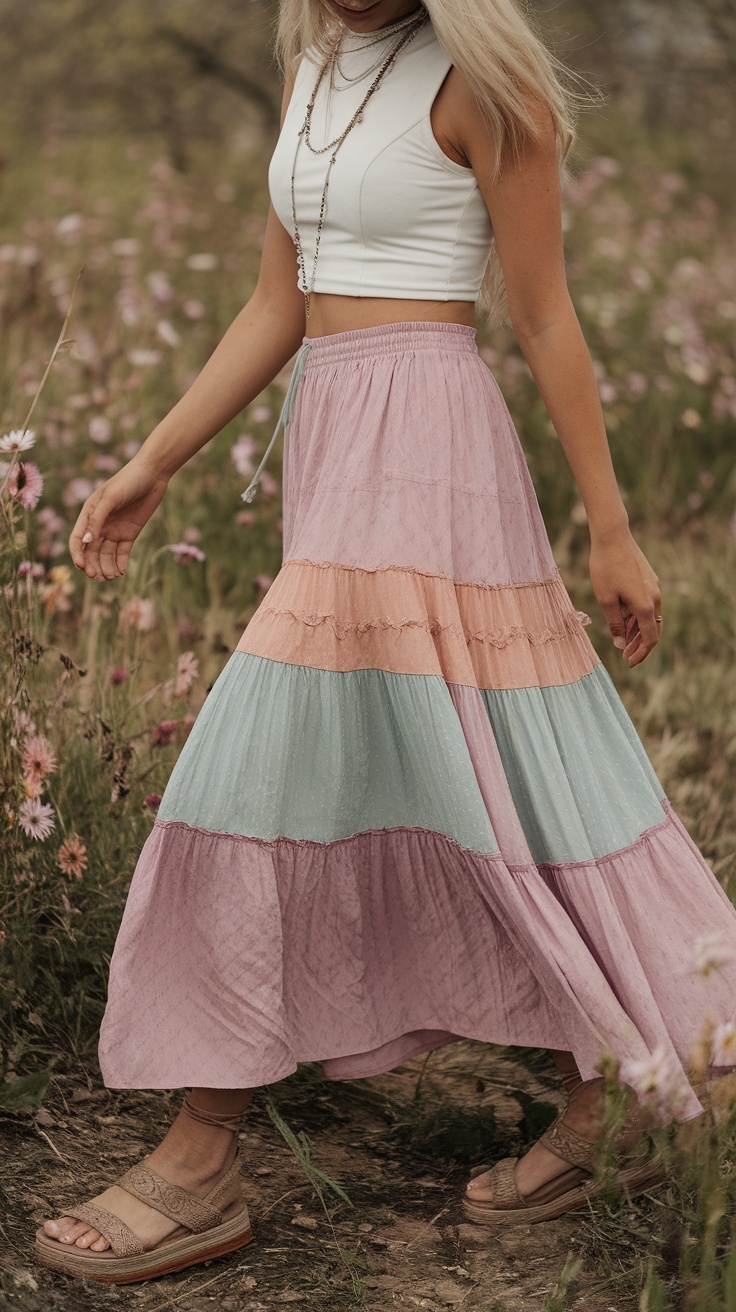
{"x":87,"y":537}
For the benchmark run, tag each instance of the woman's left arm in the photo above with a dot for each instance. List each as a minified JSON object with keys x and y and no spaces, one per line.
{"x":525,"y":209}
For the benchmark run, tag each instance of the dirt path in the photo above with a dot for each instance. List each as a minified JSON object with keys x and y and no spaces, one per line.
{"x":405,"y":1234}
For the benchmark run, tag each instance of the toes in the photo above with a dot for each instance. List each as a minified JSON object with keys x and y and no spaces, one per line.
{"x":480,"y":1187}
{"x":479,"y":1180}
{"x":66,"y":1230}
{"x":70,"y":1231}
{"x":94,"y":1240}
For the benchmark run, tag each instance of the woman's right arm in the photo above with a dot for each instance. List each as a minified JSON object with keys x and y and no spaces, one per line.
{"x":259,"y":342}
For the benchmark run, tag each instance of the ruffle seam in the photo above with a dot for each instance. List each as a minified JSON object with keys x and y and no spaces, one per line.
{"x":493,"y":637}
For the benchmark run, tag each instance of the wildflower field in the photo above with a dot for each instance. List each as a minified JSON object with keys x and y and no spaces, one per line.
{"x":100,"y":684}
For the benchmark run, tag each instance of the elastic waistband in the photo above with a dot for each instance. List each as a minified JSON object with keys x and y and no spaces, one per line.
{"x":388,"y":338}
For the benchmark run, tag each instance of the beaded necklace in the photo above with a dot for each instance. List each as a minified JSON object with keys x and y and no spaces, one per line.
{"x":405,"y":37}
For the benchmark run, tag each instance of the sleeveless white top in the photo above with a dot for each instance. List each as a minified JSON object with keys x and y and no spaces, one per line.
{"x":401,"y":218}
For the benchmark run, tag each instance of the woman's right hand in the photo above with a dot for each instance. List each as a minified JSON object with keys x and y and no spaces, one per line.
{"x":114,"y":515}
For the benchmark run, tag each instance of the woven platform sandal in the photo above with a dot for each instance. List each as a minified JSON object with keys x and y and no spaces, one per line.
{"x":207,"y":1227}
{"x":638,"y":1170}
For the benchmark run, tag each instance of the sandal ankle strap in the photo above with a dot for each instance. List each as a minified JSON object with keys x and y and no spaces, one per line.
{"x":226,"y":1120}
{"x":572,"y":1147}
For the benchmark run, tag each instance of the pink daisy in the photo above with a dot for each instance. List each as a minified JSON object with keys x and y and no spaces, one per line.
{"x":36,"y":818}
{"x":38,"y":757}
{"x":72,"y":857}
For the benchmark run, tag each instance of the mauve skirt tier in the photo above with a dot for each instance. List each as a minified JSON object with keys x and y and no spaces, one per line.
{"x":413,"y":807}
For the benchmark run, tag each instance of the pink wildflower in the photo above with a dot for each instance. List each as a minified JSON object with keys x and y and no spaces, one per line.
{"x":100,"y":429}
{"x":242,"y":454}
{"x":72,"y":857}
{"x":26,"y":484}
{"x":139,"y":613}
{"x":638,"y":383}
{"x":160,"y":287}
{"x":77,"y":491}
{"x":262,"y":582}
{"x":118,"y":675}
{"x":30,"y":568}
{"x":185,"y":552}
{"x":109,"y":464}
{"x":163,"y":733}
{"x":187,"y":669}
{"x":260,"y":414}
{"x":36,"y":818}
{"x":38,"y":757}
{"x":153,"y":801}
{"x":52,"y":522}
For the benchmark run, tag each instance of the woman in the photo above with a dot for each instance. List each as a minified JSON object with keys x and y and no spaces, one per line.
{"x":413,"y":807}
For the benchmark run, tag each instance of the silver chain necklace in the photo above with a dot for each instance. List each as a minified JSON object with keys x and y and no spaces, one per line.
{"x":369,"y":39}
{"x":405,"y":37}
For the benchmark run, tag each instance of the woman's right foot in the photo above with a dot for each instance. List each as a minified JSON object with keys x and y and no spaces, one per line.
{"x":194,"y":1156}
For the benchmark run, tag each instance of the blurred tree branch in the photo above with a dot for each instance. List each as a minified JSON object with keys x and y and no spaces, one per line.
{"x":209,"y":63}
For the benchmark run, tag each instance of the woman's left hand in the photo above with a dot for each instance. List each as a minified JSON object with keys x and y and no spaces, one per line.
{"x":628,"y":590}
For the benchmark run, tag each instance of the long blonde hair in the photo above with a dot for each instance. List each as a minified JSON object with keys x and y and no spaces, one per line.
{"x":503,"y":58}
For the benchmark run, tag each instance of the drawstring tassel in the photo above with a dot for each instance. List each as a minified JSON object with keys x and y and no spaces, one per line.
{"x":284,"y":417}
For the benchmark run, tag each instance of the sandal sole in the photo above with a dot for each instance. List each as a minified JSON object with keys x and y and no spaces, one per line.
{"x":635,"y":1178}
{"x":160,"y":1261}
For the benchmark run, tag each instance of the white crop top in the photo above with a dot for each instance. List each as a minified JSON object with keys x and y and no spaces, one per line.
{"x":401,"y":218}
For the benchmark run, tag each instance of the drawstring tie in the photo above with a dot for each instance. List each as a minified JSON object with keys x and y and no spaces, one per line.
{"x":284,"y":417}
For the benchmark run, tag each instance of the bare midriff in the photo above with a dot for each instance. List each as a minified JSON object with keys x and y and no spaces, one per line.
{"x":329,"y":313}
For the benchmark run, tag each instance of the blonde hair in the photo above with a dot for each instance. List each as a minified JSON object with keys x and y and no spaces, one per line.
{"x":504,"y":60}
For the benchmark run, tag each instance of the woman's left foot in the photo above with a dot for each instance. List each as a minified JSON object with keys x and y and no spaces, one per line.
{"x":558,"y":1172}
{"x":539,"y":1165}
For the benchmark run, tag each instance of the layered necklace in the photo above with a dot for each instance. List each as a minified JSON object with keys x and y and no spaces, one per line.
{"x":405,"y":29}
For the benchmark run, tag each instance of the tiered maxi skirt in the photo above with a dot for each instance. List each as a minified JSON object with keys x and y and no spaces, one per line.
{"x":413,"y":807}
